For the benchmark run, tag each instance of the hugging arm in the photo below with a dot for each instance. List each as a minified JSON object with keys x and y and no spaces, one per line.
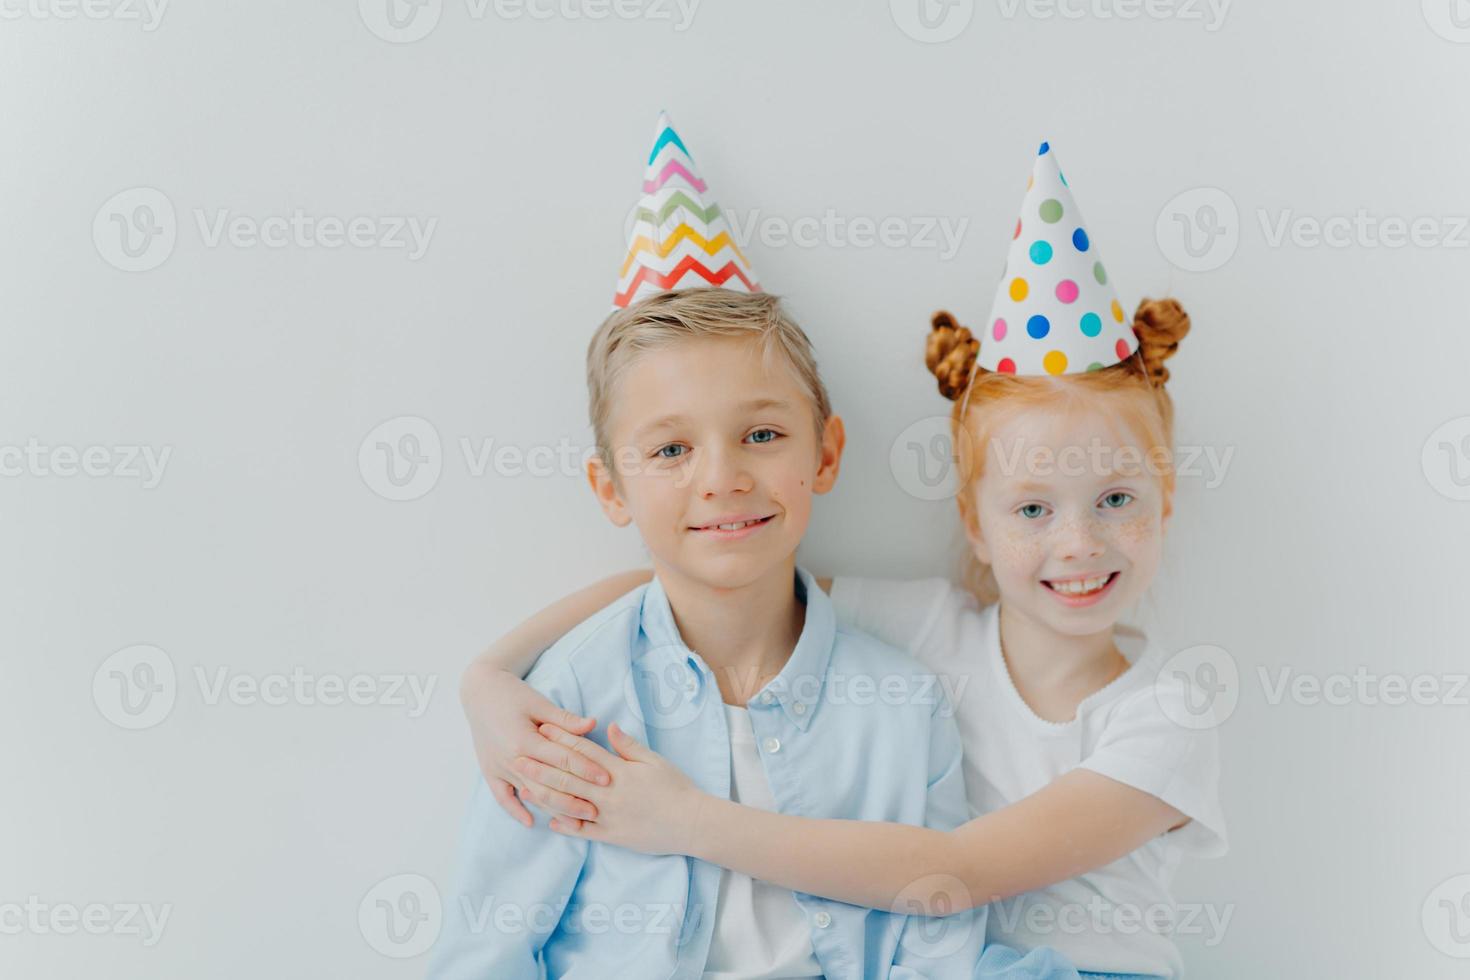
{"x":503,"y":711}
{"x":1081,"y":821}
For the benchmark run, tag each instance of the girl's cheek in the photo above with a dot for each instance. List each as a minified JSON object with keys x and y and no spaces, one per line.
{"x":1138,"y":534}
{"x":1017,"y":551}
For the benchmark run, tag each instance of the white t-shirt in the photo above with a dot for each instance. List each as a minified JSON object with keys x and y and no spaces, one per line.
{"x":1113,"y":919}
{"x":760,"y":932}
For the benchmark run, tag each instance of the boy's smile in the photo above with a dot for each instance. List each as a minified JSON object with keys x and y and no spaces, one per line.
{"x":734,"y":527}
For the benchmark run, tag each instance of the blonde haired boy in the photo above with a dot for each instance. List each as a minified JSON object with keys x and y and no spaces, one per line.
{"x":714,"y":435}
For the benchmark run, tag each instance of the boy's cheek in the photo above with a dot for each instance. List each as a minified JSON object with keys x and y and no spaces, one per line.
{"x":649,"y":498}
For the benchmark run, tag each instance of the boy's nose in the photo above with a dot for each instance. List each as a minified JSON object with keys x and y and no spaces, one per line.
{"x":723,"y":472}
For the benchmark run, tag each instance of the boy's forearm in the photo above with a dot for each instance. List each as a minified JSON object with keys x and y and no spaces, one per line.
{"x":516,"y":652}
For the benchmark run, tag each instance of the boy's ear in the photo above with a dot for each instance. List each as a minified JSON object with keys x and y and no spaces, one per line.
{"x":605,"y":489}
{"x":834,"y":438}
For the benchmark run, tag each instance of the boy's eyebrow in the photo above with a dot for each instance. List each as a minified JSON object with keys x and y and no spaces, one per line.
{"x":667,"y":422}
{"x":671,"y":421}
{"x":761,"y":404}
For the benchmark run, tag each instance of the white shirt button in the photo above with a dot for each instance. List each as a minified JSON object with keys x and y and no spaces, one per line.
{"x":799,"y":707}
{"x":768,"y":698}
{"x":822,"y":919}
{"x":773,"y":744}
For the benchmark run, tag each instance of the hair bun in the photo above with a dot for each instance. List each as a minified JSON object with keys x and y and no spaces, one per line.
{"x":950,"y":354}
{"x":1159,"y":325}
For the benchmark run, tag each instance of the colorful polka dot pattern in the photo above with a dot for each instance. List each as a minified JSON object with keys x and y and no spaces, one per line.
{"x":1055,"y":287}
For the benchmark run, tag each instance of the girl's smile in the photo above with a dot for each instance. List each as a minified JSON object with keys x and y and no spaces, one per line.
{"x":1080,"y":590}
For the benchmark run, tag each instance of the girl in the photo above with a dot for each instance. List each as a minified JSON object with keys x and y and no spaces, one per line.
{"x":1088,"y":768}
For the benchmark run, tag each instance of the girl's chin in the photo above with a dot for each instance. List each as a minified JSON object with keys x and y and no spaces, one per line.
{"x":1076,"y":620}
{"x":1075,"y":625}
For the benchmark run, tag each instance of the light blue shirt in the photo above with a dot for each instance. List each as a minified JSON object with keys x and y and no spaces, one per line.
{"x":850,"y":728}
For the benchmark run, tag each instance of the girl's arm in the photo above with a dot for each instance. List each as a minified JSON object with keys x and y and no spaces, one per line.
{"x":1080,"y":821}
{"x":504,"y":711}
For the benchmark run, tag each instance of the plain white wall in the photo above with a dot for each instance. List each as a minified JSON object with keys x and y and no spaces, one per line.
{"x":1333,"y":545}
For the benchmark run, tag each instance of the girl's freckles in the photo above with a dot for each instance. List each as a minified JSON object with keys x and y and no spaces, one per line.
{"x":1138,"y":529}
{"x":1011,"y":551}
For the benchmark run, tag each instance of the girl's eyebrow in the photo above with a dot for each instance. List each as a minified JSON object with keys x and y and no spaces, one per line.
{"x":1109,"y":480}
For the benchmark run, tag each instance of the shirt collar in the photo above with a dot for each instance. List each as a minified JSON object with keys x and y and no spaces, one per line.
{"x":798,"y":687}
{"x":658,"y":617}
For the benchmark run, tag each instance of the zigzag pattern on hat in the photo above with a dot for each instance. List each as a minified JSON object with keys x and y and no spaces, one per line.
{"x":679,"y":238}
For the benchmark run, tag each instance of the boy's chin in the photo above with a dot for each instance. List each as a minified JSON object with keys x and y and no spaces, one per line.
{"x":729,"y":571}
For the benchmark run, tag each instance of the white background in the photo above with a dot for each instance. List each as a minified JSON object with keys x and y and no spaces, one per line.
{"x":1333,"y":541}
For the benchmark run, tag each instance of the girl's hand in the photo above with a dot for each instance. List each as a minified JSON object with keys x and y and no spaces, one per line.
{"x":504,"y":713}
{"x":651,"y":805}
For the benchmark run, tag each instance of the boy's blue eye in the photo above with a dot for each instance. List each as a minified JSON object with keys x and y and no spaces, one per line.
{"x":1118,"y":498}
{"x":663,"y":451}
{"x":1032,"y":511}
{"x":764,"y":432}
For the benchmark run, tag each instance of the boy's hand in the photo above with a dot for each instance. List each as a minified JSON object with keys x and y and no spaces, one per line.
{"x":504,"y":713}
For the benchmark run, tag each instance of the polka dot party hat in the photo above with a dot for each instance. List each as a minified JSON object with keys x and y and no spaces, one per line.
{"x":1055,"y":309}
{"x":679,"y":237}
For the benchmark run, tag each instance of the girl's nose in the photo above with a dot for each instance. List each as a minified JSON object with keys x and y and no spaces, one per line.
{"x":1078,"y":540}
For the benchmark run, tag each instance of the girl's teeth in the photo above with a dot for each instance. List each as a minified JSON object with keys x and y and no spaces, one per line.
{"x":1080,"y":588}
{"x":734,"y":527}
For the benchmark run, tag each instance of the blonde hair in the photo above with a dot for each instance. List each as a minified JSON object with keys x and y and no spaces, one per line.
{"x":668,"y":318}
{"x":1132,"y":390}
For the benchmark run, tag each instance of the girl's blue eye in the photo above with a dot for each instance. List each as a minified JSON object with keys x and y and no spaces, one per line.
{"x":1032,"y":511}
{"x":1118,"y":498}
{"x":767,"y":432}
{"x":662,"y":452}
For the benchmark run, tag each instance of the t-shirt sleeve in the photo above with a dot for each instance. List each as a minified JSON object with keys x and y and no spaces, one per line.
{"x":900,"y":612}
{"x":1177,"y":761}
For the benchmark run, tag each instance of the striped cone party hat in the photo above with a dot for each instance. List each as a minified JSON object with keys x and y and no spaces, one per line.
{"x":1055,"y":309}
{"x":679,"y":238}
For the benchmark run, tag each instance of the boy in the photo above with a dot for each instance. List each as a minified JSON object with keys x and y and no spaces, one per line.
{"x":713,"y":432}
{"x":710,"y":401}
